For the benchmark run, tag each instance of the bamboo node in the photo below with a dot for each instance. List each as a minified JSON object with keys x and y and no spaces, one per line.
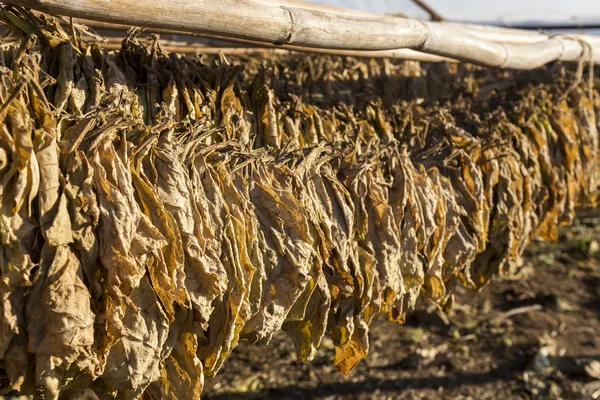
{"x":427,"y":35}
{"x":506,"y":60}
{"x":292,"y":29}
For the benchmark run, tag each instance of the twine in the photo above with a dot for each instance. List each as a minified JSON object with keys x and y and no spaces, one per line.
{"x":587,"y":55}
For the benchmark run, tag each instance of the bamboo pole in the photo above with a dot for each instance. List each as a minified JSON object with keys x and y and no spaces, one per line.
{"x":195,"y":49}
{"x":257,"y":48}
{"x":486,"y":32}
{"x":173,"y":41}
{"x":246,"y":19}
{"x":522,"y":35}
{"x":290,"y":25}
{"x":491,"y":33}
{"x":513,"y":35}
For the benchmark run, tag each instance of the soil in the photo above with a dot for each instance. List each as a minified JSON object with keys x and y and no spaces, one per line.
{"x":531,"y":336}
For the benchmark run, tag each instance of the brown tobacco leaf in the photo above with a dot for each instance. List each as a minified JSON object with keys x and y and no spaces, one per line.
{"x":284,"y":231}
{"x":205,"y":277}
{"x":182,"y":376}
{"x":232,"y":313}
{"x":120,"y":219}
{"x":308,"y":332}
{"x":139,"y":331}
{"x":60,"y":320}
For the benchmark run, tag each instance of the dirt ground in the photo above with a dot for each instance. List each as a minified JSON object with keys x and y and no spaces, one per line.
{"x":534,"y":336}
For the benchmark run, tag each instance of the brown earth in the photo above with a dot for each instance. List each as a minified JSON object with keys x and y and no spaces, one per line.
{"x":532,"y":336}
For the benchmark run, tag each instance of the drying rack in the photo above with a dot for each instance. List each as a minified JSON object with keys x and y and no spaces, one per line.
{"x":303,"y":26}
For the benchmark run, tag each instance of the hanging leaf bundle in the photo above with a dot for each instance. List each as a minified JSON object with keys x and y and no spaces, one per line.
{"x":158,"y":209}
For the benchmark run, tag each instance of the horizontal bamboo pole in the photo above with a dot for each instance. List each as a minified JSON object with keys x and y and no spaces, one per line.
{"x":283,"y":23}
{"x":495,"y":34}
{"x":487,"y":32}
{"x":212,"y":45}
{"x":401,"y":54}
{"x":173,"y":41}
{"x":491,"y":33}
{"x":197,"y":48}
{"x":246,"y":19}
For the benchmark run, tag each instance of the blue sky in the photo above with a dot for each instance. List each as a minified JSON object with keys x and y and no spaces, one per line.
{"x":507,"y":11}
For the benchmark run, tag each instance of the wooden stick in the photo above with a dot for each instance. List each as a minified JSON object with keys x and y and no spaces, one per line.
{"x":513,"y":35}
{"x":245,"y":19}
{"x":520,"y":35}
{"x":432,"y":13}
{"x":172,"y":41}
{"x":559,"y":27}
{"x":401,"y":54}
{"x":485,"y":32}
{"x":284,"y":24}
{"x":515,"y":311}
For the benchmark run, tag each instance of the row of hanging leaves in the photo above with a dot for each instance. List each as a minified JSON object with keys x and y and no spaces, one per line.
{"x":157,"y":209}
